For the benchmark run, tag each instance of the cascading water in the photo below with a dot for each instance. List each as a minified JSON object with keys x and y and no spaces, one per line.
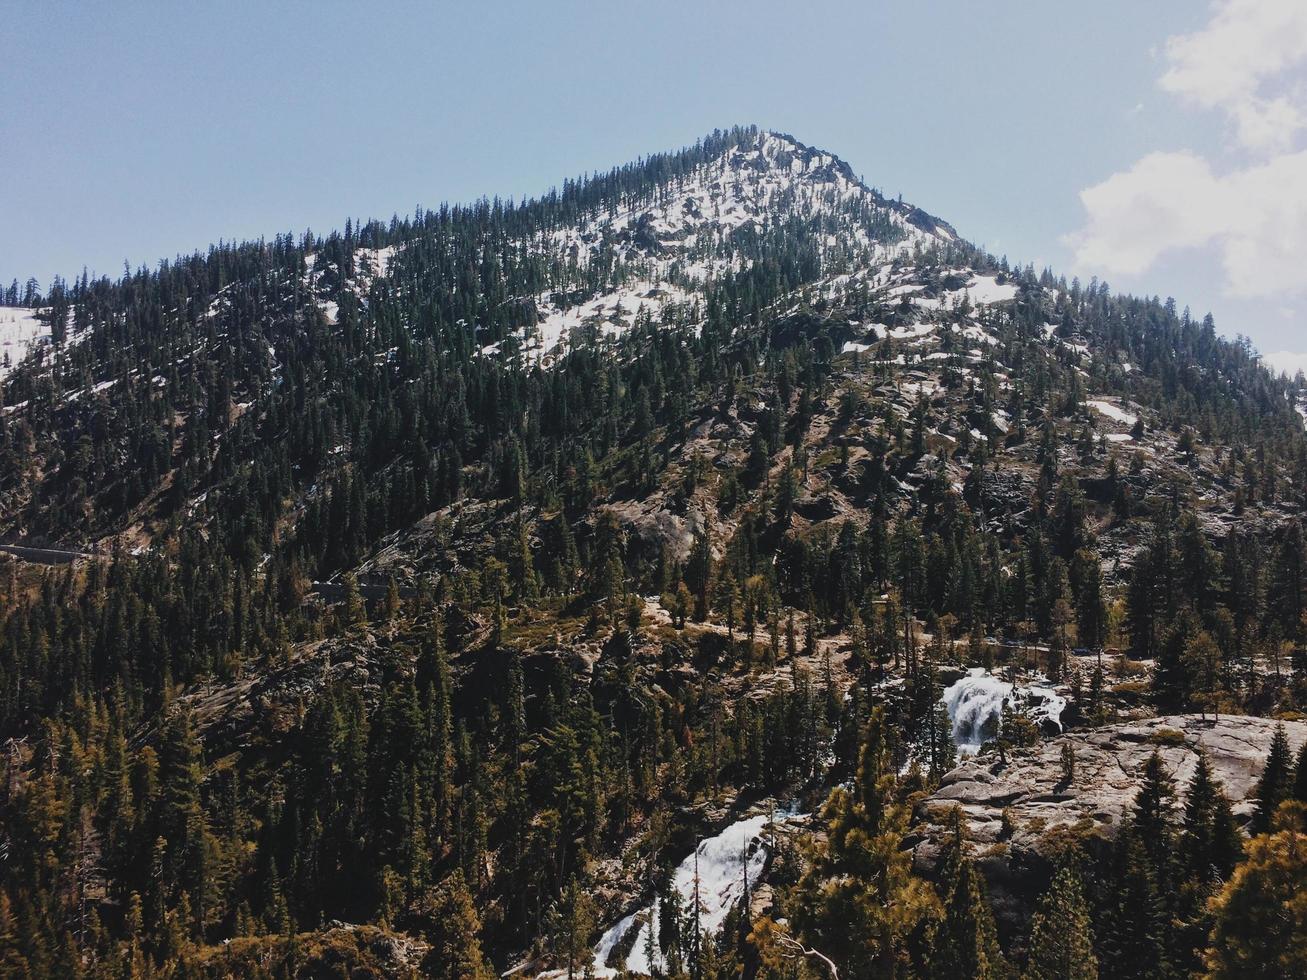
{"x":722,"y":863}
{"x":975,"y":706}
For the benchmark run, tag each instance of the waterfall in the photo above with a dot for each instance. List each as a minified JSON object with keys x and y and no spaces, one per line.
{"x":722,"y":861}
{"x":975,"y":706}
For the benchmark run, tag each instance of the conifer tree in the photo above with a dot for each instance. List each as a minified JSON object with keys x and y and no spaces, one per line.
{"x":1300,"y":776}
{"x":1276,"y":782}
{"x":858,"y":901}
{"x":1153,"y":815}
{"x":1210,"y":840}
{"x":966,"y":940}
{"x":1260,"y":916}
{"x":1135,"y":937}
{"x":455,"y":943}
{"x":1061,"y":942}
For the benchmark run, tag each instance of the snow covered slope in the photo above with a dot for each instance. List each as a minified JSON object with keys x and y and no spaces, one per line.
{"x":21,"y":330}
{"x":698,"y":229}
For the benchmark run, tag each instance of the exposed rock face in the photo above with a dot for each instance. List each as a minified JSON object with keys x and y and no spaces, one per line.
{"x":1019,"y":815}
{"x":266,"y":704}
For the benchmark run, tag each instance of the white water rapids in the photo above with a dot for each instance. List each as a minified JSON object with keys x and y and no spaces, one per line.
{"x":722,"y":863}
{"x":975,"y":706}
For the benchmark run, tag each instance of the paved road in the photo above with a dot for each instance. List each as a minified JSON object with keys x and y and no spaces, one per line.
{"x":45,"y":556}
{"x":331,"y":591}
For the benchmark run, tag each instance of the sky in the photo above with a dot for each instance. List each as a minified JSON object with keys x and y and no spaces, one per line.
{"x":1161,"y":146}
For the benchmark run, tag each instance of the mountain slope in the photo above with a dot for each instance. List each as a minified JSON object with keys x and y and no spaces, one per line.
{"x":681,"y":489}
{"x":751,"y":220}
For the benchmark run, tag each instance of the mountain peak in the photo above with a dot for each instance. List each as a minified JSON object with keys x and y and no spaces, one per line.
{"x":697,"y":227}
{"x":444,"y":564}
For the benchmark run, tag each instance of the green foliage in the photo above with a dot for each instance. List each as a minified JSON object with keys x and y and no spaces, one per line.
{"x":1260,"y":927}
{"x":458,"y":744}
{"x":1276,"y":782}
{"x":1061,"y":939}
{"x":965,"y":943}
{"x":858,"y":901}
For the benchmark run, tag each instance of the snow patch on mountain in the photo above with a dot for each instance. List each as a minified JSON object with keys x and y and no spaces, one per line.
{"x":980,"y":291}
{"x":370,"y":264}
{"x":684,"y":236}
{"x":1113,"y":412}
{"x":611,"y":314}
{"x":23,"y":330}
{"x":20,"y":331}
{"x":986,"y":290}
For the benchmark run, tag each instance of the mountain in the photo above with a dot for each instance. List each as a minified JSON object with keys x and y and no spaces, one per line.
{"x":417,"y":596}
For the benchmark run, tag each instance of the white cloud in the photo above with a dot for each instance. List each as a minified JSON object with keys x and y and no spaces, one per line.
{"x":1230,"y":64}
{"x":1256,"y":217}
{"x":1243,"y":64}
{"x":1136,"y":215}
{"x":1288,"y":362}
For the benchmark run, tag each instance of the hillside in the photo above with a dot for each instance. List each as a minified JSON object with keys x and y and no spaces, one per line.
{"x":440,"y":588}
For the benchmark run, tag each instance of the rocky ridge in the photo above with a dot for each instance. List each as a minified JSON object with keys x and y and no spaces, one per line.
{"x":1020,"y":815}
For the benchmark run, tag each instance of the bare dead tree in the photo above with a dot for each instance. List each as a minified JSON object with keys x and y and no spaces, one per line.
{"x":797,"y":950}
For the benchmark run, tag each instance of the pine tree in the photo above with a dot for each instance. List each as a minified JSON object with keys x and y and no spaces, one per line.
{"x":1276,"y":782}
{"x":1300,"y":776}
{"x":966,"y":940}
{"x":573,"y":922}
{"x":698,"y":572}
{"x":1061,"y":943}
{"x":391,"y":603}
{"x":858,"y":901}
{"x":1260,"y":917}
{"x":943,"y":750}
{"x":1153,"y":816}
{"x":1068,"y":764}
{"x":1210,"y":840}
{"x":455,"y":944}
{"x":354,"y":609}
{"x":1135,"y":939}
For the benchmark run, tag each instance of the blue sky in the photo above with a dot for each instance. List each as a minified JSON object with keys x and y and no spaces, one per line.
{"x":139,"y":130}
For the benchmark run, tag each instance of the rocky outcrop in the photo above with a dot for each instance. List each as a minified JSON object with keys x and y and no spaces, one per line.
{"x":263,"y":704}
{"x":1020,"y":815}
{"x":339,"y":950}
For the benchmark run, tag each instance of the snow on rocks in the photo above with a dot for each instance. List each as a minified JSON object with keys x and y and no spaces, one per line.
{"x":985,"y":290}
{"x":612,"y":314}
{"x":679,"y":238}
{"x":370,"y":264}
{"x":1113,"y":412}
{"x":21,"y":330}
{"x":979,"y":291}
{"x":913,"y":331}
